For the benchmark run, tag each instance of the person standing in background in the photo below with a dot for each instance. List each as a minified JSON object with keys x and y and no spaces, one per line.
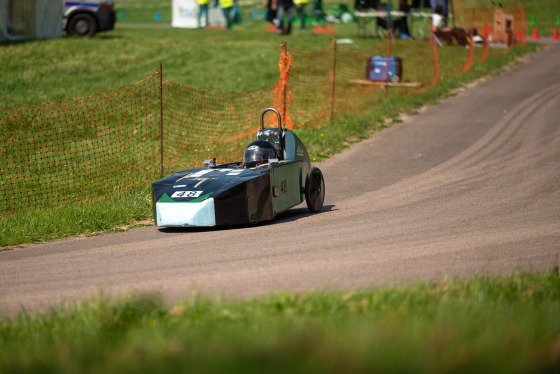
{"x":444,"y":7}
{"x":438,"y":19}
{"x":271,"y":7}
{"x":318,"y":13}
{"x":402,"y":23}
{"x":285,"y":8}
{"x":227,"y":7}
{"x":202,"y":12}
{"x":300,"y":8}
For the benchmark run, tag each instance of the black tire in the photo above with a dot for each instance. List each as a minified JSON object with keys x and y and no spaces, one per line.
{"x":82,"y":24}
{"x":315,"y":190}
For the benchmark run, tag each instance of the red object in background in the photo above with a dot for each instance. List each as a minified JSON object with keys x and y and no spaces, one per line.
{"x":535,"y":34}
{"x":323,"y":29}
{"x":555,"y":35}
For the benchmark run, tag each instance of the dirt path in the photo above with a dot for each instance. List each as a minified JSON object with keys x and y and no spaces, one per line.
{"x":471,"y":186}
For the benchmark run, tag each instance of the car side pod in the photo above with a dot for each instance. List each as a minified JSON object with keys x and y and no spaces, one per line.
{"x":292,"y":148}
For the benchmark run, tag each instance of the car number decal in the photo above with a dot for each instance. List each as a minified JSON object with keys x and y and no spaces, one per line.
{"x":178,"y":194}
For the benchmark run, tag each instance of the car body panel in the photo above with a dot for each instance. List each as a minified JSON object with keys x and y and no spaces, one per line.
{"x":287,"y":184}
{"x":239,"y":195}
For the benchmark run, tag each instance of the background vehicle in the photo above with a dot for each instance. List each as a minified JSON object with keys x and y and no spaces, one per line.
{"x":86,"y":18}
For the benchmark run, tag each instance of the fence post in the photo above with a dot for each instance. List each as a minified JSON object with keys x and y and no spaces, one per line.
{"x":524,"y":24}
{"x":435,"y":56}
{"x":470,"y":56}
{"x":161,"y":118}
{"x":389,"y":17}
{"x":285,"y":106}
{"x":333,"y":93}
{"x":486,"y":44}
{"x":390,"y":38}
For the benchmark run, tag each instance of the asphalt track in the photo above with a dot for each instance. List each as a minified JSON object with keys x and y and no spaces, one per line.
{"x":468,"y":187}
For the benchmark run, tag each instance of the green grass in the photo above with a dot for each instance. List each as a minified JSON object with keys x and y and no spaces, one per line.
{"x":543,"y":15}
{"x":143,"y":12}
{"x":490,"y":325}
{"x":111,"y":214}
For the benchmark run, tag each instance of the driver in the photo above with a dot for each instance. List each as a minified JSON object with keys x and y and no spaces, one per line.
{"x":258,"y":153}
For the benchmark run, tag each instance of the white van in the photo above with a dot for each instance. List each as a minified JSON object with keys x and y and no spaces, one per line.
{"x":85,"y":18}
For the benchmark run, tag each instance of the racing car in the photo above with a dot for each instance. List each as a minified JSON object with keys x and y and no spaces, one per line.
{"x":274,"y":176}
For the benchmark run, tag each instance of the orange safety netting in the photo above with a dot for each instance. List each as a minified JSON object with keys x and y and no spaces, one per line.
{"x":333,"y":80}
{"x":79,"y":150}
{"x":486,"y":44}
{"x":201,"y":124}
{"x":282,"y":93}
{"x":310,"y":86}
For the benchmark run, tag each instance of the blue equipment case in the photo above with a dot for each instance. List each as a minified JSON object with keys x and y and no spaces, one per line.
{"x":377,"y":69}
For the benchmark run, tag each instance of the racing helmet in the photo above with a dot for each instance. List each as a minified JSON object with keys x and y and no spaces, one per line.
{"x":258,"y":152}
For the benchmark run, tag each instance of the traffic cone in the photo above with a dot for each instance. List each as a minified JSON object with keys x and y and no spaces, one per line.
{"x":519,"y":36}
{"x":535,"y":34}
{"x":555,"y":35}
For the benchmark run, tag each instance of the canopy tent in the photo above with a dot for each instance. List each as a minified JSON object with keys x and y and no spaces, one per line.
{"x":185,"y":13}
{"x":30,"y":19}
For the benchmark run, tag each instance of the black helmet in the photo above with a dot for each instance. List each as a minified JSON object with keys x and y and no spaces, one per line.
{"x":258,"y":152}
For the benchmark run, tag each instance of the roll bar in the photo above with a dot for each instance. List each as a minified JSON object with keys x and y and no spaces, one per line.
{"x":277,"y":114}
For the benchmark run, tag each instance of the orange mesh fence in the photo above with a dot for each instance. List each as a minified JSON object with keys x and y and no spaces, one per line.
{"x":78,"y":150}
{"x":86,"y":149}
{"x":333,"y":80}
{"x":201,"y":124}
{"x":352,"y":95}
{"x":310,"y":86}
{"x":282,"y":93}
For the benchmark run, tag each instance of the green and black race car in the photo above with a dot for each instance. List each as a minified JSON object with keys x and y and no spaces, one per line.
{"x":275,"y":175}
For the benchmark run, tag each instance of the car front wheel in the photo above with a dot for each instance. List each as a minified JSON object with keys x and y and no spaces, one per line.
{"x":82,"y":25}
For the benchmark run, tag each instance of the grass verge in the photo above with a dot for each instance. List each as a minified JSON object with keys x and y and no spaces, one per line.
{"x":108,"y":215}
{"x":498,"y":325}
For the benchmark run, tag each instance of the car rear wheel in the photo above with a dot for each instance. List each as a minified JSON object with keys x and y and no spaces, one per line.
{"x":83,"y":25}
{"x":315,"y":190}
